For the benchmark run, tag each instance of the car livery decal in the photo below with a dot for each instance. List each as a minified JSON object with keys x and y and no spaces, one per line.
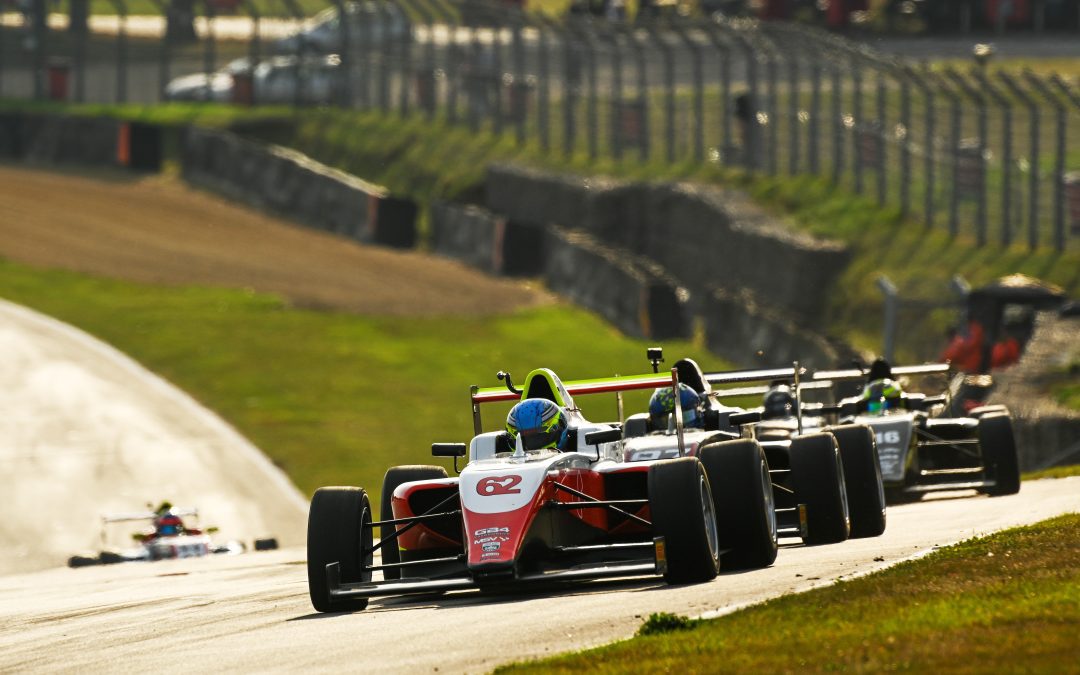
{"x":893,"y":437}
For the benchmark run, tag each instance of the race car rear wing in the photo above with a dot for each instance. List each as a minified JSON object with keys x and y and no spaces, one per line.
{"x":146,"y":515}
{"x":858,"y":374}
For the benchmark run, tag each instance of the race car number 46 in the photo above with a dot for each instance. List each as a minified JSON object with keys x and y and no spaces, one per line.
{"x":498,"y":485}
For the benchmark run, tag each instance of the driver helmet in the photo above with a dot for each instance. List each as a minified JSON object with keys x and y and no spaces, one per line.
{"x":170,"y":525}
{"x":662,"y":404}
{"x":881,"y":395}
{"x":540,"y":422}
{"x":779,"y":403}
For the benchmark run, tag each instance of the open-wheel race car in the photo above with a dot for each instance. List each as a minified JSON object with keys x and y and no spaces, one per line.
{"x":919,"y":449}
{"x":554,"y":498}
{"x":166,"y":536}
{"x":826,"y":480}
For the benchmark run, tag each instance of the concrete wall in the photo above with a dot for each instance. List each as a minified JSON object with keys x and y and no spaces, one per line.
{"x":297,"y":187}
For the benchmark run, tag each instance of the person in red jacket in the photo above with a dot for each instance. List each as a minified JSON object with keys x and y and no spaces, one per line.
{"x":964,"y":350}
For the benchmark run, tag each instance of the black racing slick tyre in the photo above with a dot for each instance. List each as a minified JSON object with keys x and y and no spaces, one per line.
{"x":817,"y":475}
{"x":998,"y":447}
{"x":745,"y":511}
{"x":339,"y":530}
{"x":394,"y":477}
{"x":862,"y":476}
{"x":683,"y":513}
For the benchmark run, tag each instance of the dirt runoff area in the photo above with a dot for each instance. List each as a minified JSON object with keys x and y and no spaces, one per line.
{"x":155,"y":229}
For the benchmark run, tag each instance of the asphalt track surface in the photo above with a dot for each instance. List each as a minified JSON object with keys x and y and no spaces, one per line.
{"x":251,"y":612}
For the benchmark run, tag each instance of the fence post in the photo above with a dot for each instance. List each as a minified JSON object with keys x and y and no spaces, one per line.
{"x":519,"y":91}
{"x":980,"y":101}
{"x":698,"y":93}
{"x":928,"y":142}
{"x":616,"y":96}
{"x":813,"y":147}
{"x":770,"y":121}
{"x":838,"y":124}
{"x":856,"y":113}
{"x":722,"y":48}
{"x":794,"y":132}
{"x":641,"y":59}
{"x":497,"y":71}
{"x":386,"y":26}
{"x":121,"y":48}
{"x":1061,"y":196}
{"x":1006,"y":156}
{"x":543,"y":86}
{"x":344,"y":93}
{"x":39,"y":26}
{"x":882,"y":185}
{"x":592,"y":112}
{"x":210,"y":50}
{"x":571,"y":85}
{"x":905,"y":144}
{"x":669,"y":91}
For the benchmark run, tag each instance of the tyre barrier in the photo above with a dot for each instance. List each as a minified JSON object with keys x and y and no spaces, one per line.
{"x":92,"y":141}
{"x":470,"y":234}
{"x":740,"y":327}
{"x":703,"y":236}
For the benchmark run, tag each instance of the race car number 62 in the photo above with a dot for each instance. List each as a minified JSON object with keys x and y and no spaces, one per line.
{"x":498,"y":485}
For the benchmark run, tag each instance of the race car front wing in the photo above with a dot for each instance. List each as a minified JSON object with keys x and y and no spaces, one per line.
{"x":655,"y":566}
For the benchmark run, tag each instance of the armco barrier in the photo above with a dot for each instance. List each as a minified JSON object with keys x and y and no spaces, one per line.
{"x":295,"y":186}
{"x":635,"y":295}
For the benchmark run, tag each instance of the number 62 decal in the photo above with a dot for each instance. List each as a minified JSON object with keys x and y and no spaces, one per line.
{"x":498,"y":485}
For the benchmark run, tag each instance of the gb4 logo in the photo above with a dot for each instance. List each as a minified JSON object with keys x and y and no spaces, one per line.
{"x":498,"y":485}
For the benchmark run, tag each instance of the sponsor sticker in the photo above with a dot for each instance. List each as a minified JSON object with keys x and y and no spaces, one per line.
{"x":491,"y":530}
{"x":490,"y":555}
{"x":484,"y":540}
{"x":493,"y":546}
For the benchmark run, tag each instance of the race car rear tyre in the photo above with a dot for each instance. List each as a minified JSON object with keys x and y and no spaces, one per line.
{"x":862,"y":476}
{"x":683,"y":513}
{"x":817,"y":475}
{"x":998,"y":447}
{"x":395,"y":476}
{"x":745,"y":510}
{"x":339,"y":530}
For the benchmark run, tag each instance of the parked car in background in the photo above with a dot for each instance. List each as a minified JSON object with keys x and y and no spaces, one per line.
{"x":312,"y":80}
{"x":216,"y":86}
{"x":369,"y":24}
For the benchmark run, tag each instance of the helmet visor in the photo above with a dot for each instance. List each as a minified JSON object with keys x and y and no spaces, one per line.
{"x":538,"y":439}
{"x":876,"y":407}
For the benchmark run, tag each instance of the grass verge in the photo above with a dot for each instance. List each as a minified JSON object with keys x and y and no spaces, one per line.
{"x":332,"y":398}
{"x":1007,"y":603}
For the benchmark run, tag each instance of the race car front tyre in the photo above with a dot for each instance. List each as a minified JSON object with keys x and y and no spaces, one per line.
{"x":817,"y":475}
{"x":339,"y":530}
{"x":998,"y":446}
{"x":394,"y":477}
{"x":862,"y":476}
{"x":745,"y":510}
{"x":683,"y":514}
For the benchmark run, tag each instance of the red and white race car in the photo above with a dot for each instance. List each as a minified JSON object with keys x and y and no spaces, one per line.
{"x":166,"y":536}
{"x":515,"y":516}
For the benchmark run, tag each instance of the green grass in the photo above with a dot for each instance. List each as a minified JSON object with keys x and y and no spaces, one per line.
{"x":1054,"y":472}
{"x":1005,"y":603}
{"x":333,"y":398}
